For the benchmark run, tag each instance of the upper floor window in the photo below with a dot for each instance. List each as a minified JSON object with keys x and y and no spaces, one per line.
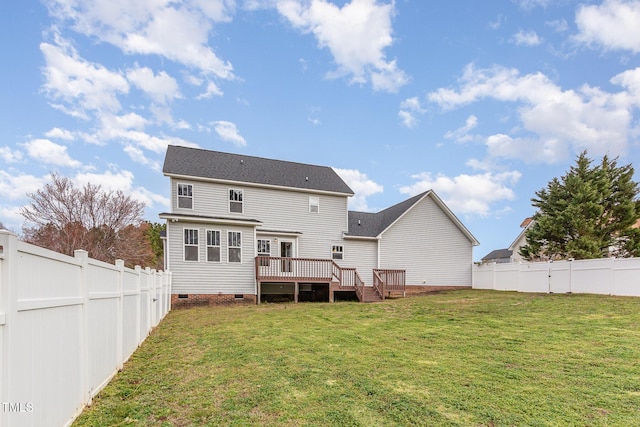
{"x":235,"y":201}
{"x":235,"y":246}
{"x":190,"y":244}
{"x":337,"y":252}
{"x":213,"y":245}
{"x":314,"y":204}
{"x":185,"y":196}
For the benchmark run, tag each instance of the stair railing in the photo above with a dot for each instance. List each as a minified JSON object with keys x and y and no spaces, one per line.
{"x":378,"y":284}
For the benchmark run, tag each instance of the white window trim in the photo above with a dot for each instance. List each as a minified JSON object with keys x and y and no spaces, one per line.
{"x":337,"y":249}
{"x":229,"y":201}
{"x":178,"y":196}
{"x":258,"y":247}
{"x":207,"y":245}
{"x":234,"y":247}
{"x":315,"y":199}
{"x":184,"y":245}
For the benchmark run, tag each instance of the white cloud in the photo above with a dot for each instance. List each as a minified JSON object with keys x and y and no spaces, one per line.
{"x":15,"y":185}
{"x":138,"y":156}
{"x":11,"y":218}
{"x":467,"y":194}
{"x":494,"y":25}
{"x":553,"y":120}
{"x":559,"y":25}
{"x":408,"y":110}
{"x":82,"y":85}
{"x":613,"y":25}
{"x":211,"y":91}
{"x":229,"y":132}
{"x":526,"y":38}
{"x":531,"y":4}
{"x":361,"y":185}
{"x":129,"y":130}
{"x":115,"y":126}
{"x":58,"y":133}
{"x":9,"y":155}
{"x":630,"y":80}
{"x":356,"y":34}
{"x":161,"y":87}
{"x":176,"y":31}
{"x":123,"y":181}
{"x":50,"y":153}
{"x":462,"y":133}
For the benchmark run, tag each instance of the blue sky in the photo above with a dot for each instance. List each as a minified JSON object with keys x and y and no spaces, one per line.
{"x":483,"y":102}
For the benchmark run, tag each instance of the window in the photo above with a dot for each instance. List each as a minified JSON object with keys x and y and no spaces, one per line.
{"x":235,"y":246}
{"x":337,"y":252}
{"x":235,"y":201}
{"x":213,"y":245}
{"x":185,"y":196}
{"x":314,"y":204}
{"x":264,"y":249}
{"x":190,"y":244}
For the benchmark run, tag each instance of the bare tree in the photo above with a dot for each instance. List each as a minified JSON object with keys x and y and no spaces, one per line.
{"x":107,"y":224}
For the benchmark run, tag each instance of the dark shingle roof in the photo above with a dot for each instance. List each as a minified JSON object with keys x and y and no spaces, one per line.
{"x":199,"y":163}
{"x":365,"y":224}
{"x":498,"y":254}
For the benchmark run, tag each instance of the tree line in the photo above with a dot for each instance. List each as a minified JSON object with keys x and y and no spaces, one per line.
{"x":108,"y":224}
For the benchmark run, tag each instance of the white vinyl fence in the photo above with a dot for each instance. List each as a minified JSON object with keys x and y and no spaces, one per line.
{"x":67,"y":325}
{"x":608,"y":276}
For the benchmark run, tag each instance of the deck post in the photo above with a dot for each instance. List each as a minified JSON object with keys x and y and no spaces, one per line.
{"x":259,"y":291}
{"x":296,"y":291}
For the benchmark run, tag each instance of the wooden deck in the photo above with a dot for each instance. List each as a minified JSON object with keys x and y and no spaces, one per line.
{"x":312,"y":270}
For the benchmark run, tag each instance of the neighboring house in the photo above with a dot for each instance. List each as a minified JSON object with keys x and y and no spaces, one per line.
{"x":512,"y":253}
{"x":521,"y":240}
{"x":499,"y":256}
{"x":243,"y":226}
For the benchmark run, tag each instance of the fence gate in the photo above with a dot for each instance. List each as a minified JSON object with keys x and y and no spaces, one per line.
{"x":560,"y":277}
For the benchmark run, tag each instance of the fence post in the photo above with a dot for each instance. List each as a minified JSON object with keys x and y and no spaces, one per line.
{"x":151,"y":279}
{"x":8,"y":314}
{"x":119,"y":326}
{"x":138,"y":270}
{"x":83,"y":259}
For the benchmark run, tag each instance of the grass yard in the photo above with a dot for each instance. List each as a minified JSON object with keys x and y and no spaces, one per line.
{"x":460,"y":358}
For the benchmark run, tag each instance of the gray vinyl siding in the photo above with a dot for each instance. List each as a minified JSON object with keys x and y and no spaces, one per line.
{"x":203,"y":277}
{"x":429,"y":246}
{"x":363,"y":255}
{"x":281,"y":210}
{"x":276,"y":209}
{"x":289,"y":211}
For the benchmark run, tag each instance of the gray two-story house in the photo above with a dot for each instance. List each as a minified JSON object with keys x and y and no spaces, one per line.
{"x":244,"y":228}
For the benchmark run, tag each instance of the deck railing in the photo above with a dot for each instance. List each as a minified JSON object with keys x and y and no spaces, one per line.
{"x":297,"y":269}
{"x":326,"y":270}
{"x":385,"y":280}
{"x":351,"y":281}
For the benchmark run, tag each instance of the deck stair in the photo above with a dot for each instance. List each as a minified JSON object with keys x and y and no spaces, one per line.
{"x":305,"y":270}
{"x":370,"y":295}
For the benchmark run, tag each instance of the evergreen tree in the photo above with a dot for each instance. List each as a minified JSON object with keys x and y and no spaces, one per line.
{"x":154,"y":234}
{"x":589,"y":213}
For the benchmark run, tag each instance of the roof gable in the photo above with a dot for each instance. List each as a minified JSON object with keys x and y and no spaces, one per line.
{"x":363,"y":224}
{"x":219,"y":166}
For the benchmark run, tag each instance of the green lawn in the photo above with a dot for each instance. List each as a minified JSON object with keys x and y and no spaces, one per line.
{"x":459,"y":358}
